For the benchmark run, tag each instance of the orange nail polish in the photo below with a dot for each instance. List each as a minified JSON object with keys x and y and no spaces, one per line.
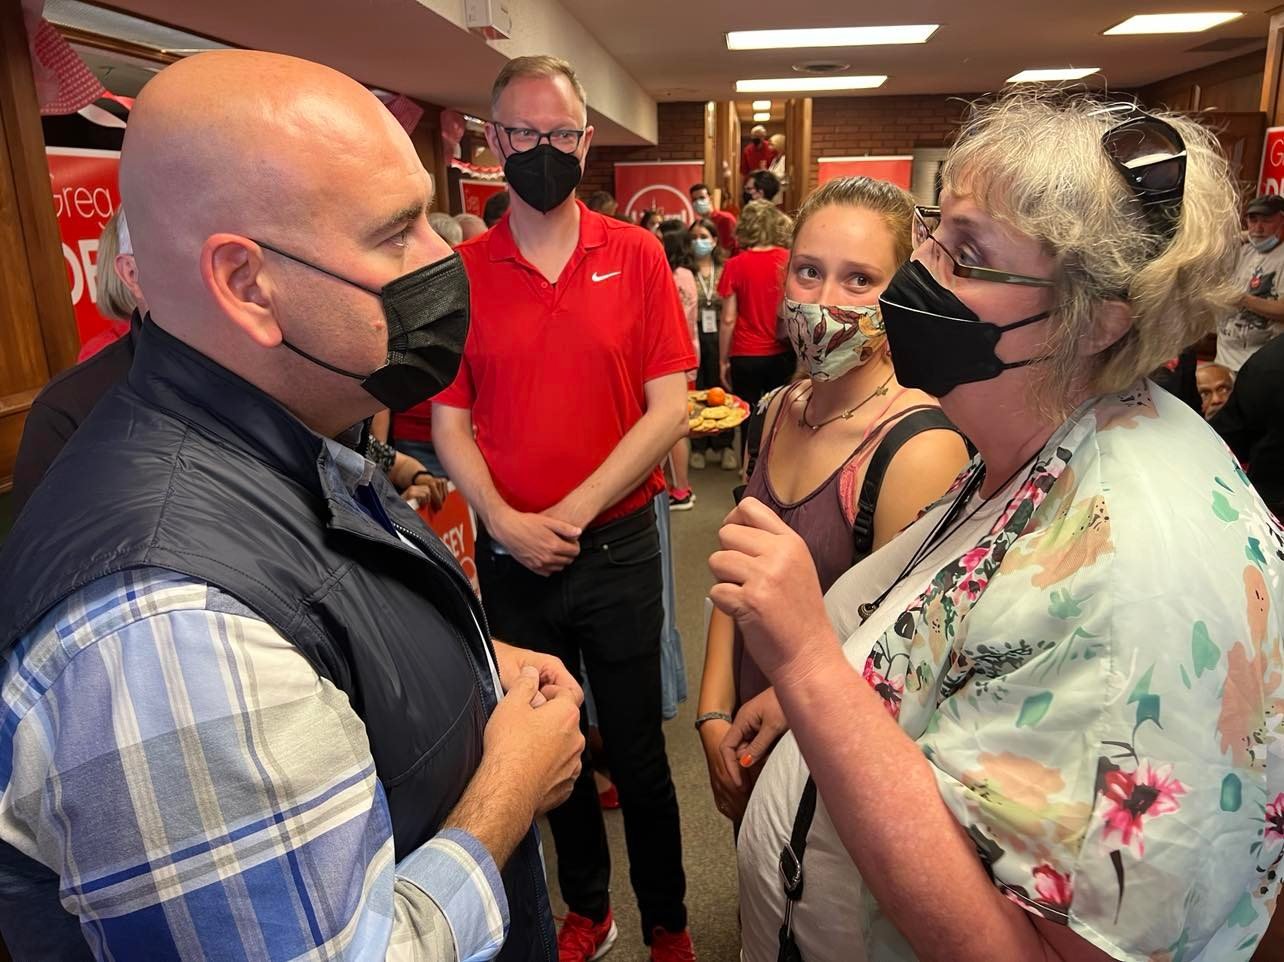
{"x":746,"y":760}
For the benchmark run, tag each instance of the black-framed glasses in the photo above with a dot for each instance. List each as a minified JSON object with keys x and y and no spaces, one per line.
{"x":522,"y":139}
{"x":928,"y":219}
{"x":1151,"y":157}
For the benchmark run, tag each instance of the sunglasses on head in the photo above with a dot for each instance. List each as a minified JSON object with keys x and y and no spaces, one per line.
{"x":1151,"y":157}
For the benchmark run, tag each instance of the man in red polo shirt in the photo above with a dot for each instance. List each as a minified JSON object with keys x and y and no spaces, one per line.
{"x":758,"y":153}
{"x":571,"y":391}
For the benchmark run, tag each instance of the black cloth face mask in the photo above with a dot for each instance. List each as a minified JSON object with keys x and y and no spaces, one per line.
{"x":427,"y":317}
{"x":543,"y":176}
{"x":937,"y":342}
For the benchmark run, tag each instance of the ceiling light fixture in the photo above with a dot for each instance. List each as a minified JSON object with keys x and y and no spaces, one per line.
{"x":762,"y":105}
{"x":762,"y":116}
{"x":1172,"y":22}
{"x":1043,"y":76}
{"x":829,"y":37}
{"x":813,"y":84}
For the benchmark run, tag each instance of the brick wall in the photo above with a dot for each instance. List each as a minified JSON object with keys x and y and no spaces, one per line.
{"x":681,"y":137}
{"x":853,"y":126}
{"x":841,"y":127}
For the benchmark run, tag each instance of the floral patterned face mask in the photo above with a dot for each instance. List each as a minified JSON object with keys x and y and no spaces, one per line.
{"x":832,"y":340}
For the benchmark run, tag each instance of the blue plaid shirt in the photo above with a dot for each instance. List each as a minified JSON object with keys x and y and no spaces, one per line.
{"x":201,"y":792}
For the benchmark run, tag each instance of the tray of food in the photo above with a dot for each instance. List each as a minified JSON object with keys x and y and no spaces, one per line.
{"x":714,"y":410}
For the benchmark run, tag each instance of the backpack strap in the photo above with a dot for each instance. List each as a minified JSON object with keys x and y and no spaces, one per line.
{"x":915,"y":422}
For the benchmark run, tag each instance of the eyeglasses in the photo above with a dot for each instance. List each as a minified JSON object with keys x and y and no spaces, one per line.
{"x":1151,"y":157}
{"x":926,"y":222}
{"x":522,"y":139}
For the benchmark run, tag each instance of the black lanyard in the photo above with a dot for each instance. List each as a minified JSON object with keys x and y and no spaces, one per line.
{"x":942,"y":530}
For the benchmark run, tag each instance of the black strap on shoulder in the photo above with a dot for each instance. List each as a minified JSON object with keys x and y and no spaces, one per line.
{"x":791,"y":870}
{"x":915,"y":422}
{"x":791,"y":856}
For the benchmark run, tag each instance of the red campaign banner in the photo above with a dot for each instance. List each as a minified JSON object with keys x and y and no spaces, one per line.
{"x":473,"y":194}
{"x":895,"y":170}
{"x":456,"y":526}
{"x":1271,"y":178}
{"x":86,"y":193}
{"x":657,"y":185}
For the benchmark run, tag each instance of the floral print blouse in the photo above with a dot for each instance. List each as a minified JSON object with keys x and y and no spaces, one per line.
{"x":1099,"y":685}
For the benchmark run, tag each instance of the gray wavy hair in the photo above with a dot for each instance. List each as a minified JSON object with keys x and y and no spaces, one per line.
{"x":446,"y":227}
{"x":1034,"y":161}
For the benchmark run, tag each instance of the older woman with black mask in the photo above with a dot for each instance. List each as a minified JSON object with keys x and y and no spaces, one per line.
{"x":1043,"y":721}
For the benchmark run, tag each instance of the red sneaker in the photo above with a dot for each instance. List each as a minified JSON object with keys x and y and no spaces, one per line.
{"x":610,"y":798}
{"x":583,"y":940}
{"x":681,"y":499}
{"x":671,"y":946}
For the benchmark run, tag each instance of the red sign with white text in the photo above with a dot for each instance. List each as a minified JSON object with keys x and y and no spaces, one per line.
{"x":664,"y":186}
{"x":895,"y":170}
{"x":1271,"y":178}
{"x":475,"y":193}
{"x":457,"y":529}
{"x":85,"y":193}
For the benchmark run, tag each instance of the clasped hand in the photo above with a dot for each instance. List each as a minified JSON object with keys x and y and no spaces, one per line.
{"x":543,"y":542}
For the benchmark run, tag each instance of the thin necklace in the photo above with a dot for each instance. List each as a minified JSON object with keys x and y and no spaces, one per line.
{"x":877,"y":392}
{"x":942,"y":530}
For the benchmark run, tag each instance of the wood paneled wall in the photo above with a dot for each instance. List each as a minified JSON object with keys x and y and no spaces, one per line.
{"x":37,"y":327}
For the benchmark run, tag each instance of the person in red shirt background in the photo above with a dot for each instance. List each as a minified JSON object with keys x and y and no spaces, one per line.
{"x":752,"y":359}
{"x":758,"y":153}
{"x":723,"y":220}
{"x":571,"y":391}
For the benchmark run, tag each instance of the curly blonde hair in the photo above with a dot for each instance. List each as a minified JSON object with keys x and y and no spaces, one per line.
{"x":763,"y":224}
{"x":1034,"y":160}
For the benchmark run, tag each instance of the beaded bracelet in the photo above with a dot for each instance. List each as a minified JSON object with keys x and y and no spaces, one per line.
{"x":711,"y":716}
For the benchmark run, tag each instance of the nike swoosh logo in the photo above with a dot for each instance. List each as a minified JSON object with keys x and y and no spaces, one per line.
{"x":598,"y":278}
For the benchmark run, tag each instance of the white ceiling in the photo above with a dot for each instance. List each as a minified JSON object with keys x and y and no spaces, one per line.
{"x":399,"y":45}
{"x":676,"y":49}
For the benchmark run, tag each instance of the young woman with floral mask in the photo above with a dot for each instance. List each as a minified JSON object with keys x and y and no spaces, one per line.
{"x":825,"y":436}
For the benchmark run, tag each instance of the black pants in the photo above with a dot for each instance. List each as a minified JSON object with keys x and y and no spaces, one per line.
{"x":607,"y":606}
{"x":709,"y":376}
{"x":752,"y":377}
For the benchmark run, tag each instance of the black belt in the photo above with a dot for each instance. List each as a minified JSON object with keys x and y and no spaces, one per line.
{"x":621,"y":529}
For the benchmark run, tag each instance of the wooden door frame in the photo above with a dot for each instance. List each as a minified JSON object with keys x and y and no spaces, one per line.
{"x":40,"y":268}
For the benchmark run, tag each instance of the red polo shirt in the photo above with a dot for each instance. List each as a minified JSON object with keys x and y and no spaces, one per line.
{"x":726,"y":222}
{"x":555,"y":373}
{"x":757,"y":157}
{"x":414,"y":424}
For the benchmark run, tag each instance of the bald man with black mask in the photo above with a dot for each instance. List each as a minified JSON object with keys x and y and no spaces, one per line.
{"x":253,"y":707}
